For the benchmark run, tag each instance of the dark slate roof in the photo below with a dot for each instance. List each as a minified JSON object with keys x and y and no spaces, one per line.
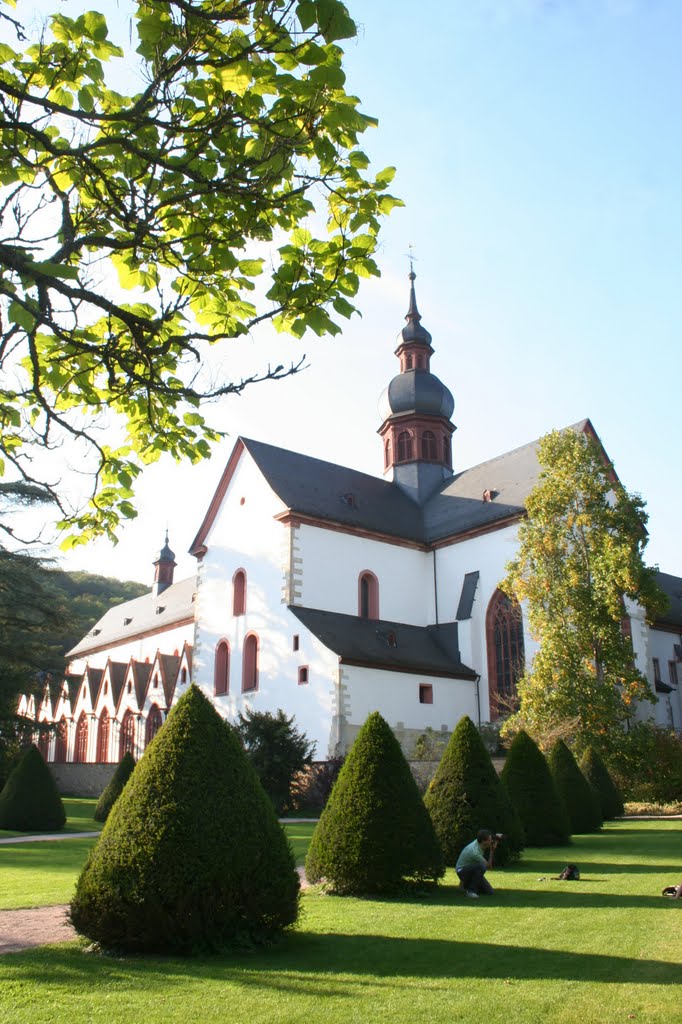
{"x":379,"y":643}
{"x":466,"y":598}
{"x":141,"y":671}
{"x":337,"y":494}
{"x":170,"y":666}
{"x":176,"y":603}
{"x":117,"y":674}
{"x":672,"y":588}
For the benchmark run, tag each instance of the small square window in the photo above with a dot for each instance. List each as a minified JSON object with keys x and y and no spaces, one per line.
{"x":294,"y":643}
{"x":302,"y":675}
{"x":425,"y":693}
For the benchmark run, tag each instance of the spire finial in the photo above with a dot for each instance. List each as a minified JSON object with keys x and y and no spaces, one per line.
{"x":412,"y":312}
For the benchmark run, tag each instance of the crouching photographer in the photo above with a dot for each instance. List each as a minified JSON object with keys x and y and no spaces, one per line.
{"x":473,"y":862}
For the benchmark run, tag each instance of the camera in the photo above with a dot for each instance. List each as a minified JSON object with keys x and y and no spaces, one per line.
{"x":497,"y":837}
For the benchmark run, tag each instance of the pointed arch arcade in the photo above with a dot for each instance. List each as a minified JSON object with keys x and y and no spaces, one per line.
{"x":103,"y":737}
{"x":80,"y":753}
{"x":127,"y":739}
{"x":506,"y":652}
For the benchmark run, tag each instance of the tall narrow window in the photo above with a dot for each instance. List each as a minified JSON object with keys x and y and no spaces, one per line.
{"x":506,"y":655}
{"x":447,"y":451}
{"x":429,"y":446}
{"x":672,"y":672}
{"x":250,"y":663}
{"x":404,"y":446}
{"x":425,"y":693}
{"x":154,"y":723}
{"x":60,"y":746}
{"x":408,"y":362}
{"x":657,"y":670}
{"x":127,"y":741}
{"x":221,"y":670}
{"x":44,"y":742}
{"x":387,"y":453}
{"x":302,"y":675}
{"x":80,"y":754}
{"x":103,"y":737}
{"x":368,"y":596}
{"x":239,"y":592}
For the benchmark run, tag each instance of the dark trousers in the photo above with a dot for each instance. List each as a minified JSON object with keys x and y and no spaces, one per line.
{"x":473,"y":880}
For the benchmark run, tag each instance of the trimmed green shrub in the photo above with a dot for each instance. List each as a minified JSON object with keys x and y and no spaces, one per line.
{"x":597,"y":774}
{"x":374,"y":831}
{"x":582,"y":804}
{"x":192,"y":857}
{"x":466,"y":795}
{"x":112,"y":792}
{"x":277,"y":750}
{"x":529,"y":782}
{"x":29,"y":801}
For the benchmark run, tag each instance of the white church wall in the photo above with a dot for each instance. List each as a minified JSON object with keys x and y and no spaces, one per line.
{"x":396,"y":696}
{"x":140,"y":648}
{"x":245,"y":535}
{"x":405,"y":575}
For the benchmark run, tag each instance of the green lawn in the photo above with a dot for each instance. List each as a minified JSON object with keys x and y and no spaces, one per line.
{"x":602,"y":950}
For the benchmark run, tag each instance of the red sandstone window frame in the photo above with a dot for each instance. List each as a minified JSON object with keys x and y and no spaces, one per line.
{"x":126,"y":743}
{"x":153,"y":724}
{"x":429,"y":446}
{"x":103,"y":729}
{"x":80,"y":750}
{"x":368,"y":595}
{"x":239,"y":592}
{"x":426,"y":693}
{"x":221,"y":668}
{"x":506,"y":652}
{"x":303,"y":675}
{"x":404,"y":446}
{"x":250,"y":657}
{"x":62,"y":742}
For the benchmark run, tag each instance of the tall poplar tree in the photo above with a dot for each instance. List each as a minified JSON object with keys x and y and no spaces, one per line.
{"x":580,"y":554}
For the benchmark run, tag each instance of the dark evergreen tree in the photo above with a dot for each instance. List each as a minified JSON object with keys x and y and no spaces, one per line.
{"x":192,"y":856}
{"x":529,"y":782}
{"x":597,"y":774}
{"x":29,"y":801}
{"x":112,"y":792}
{"x":277,"y":750}
{"x":584,"y":812}
{"x":374,"y":831}
{"x":466,"y":795}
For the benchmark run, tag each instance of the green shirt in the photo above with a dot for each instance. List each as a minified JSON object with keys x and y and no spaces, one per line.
{"x":471,"y":857}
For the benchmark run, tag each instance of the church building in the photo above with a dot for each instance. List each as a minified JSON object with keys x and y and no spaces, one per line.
{"x":330,"y":593}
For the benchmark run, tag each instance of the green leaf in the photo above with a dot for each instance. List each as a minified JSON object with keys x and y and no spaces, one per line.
{"x":18,"y":314}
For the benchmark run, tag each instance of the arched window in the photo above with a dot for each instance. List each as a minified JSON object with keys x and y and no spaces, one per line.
{"x":404,"y":446}
{"x":408,"y":362}
{"x":44,"y":742}
{"x":154,"y":723}
{"x":447,"y":451}
{"x":62,"y":742}
{"x":103,"y":737}
{"x":127,"y":741}
{"x":80,"y":754}
{"x":429,"y":446}
{"x":221,"y":668}
{"x":368,"y":596}
{"x":250,"y":663}
{"x":506,"y":657}
{"x":239,"y":592}
{"x":387,"y":453}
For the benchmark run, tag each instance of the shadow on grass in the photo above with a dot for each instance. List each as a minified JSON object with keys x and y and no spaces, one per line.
{"x":323,"y":962}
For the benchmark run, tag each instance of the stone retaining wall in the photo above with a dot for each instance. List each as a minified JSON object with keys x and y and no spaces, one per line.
{"x":82,"y":779}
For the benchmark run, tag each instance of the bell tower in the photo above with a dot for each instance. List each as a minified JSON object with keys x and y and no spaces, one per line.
{"x":416,"y":410}
{"x":164,"y":567}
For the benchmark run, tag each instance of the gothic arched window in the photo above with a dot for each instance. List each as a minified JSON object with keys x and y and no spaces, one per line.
{"x":80,"y":754}
{"x":239,"y":592}
{"x":404,"y":446}
{"x":44,"y":742}
{"x":368,"y":596}
{"x":429,"y":446}
{"x":127,"y":741}
{"x":506,"y":656}
{"x":387,"y":453}
{"x":154,"y":723}
{"x":221,"y":668}
{"x":61,"y":744}
{"x":103,"y":737}
{"x":250,"y":663}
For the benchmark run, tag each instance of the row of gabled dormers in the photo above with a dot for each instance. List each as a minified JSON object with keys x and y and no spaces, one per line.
{"x":110,"y":710}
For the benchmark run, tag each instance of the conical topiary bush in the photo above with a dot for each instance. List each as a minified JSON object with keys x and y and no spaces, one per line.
{"x":584,"y":813}
{"x":597,"y":774}
{"x":29,"y":801}
{"x":192,"y":856}
{"x":466,"y":795}
{"x":374,"y":831}
{"x":112,"y":792}
{"x":529,"y":782}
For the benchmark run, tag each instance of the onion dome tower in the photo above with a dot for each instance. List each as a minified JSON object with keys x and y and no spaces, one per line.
{"x":164,"y":567}
{"x":416,"y":408}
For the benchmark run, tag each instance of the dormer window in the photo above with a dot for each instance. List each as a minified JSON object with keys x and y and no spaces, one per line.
{"x":96,"y":632}
{"x":160,"y":608}
{"x":127,"y":621}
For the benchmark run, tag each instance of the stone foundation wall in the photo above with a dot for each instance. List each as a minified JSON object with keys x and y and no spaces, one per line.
{"x":82,"y":779}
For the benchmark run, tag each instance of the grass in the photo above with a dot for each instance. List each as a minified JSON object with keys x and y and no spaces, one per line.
{"x":42,"y":874}
{"x":605,"y":949}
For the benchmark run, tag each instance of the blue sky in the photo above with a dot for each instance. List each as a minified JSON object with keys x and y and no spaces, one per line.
{"x":539,"y":155}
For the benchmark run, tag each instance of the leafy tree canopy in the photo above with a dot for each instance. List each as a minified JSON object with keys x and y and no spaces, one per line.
{"x":238,"y":155}
{"x":580,"y":554}
{"x":277,"y":751}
